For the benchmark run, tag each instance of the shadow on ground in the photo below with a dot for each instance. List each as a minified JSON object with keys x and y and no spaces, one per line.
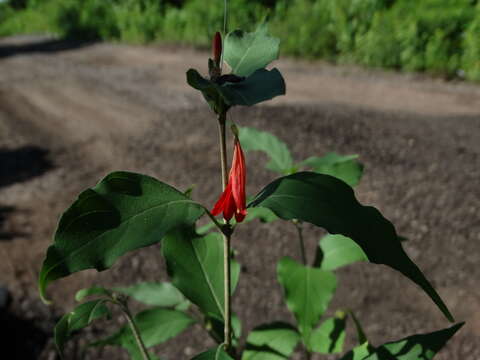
{"x":27,"y":346}
{"x":5,"y":233}
{"x":45,"y":46}
{"x":22,"y":164}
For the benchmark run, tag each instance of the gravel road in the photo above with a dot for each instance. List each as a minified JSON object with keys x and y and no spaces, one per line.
{"x":72,"y":112}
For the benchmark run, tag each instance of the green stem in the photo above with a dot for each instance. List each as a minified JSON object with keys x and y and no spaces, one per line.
{"x":299,"y":227}
{"x":135,"y":331}
{"x":222,"y":119}
{"x":214,"y":220}
{"x":228,"y":286}
{"x":226,"y":236}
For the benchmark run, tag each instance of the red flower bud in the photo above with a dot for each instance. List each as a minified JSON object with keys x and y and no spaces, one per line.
{"x":233,"y":200}
{"x":217,"y":48}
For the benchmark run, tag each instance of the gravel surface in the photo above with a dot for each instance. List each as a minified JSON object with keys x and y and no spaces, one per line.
{"x":71,"y":113}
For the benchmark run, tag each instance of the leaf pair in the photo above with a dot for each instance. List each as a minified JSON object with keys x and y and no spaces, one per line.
{"x":156,"y":325}
{"x":250,"y":83}
{"x":123,"y":212}
{"x":262,"y":85}
{"x":345,"y":168}
{"x":328,"y":202}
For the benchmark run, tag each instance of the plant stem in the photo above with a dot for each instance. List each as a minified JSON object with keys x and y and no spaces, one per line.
{"x":228,"y":286}
{"x":222,"y":119}
{"x":227,"y":237}
{"x":298,"y":224}
{"x":135,"y":331}
{"x":299,"y":227}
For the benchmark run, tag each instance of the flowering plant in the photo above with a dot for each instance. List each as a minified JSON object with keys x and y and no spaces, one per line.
{"x":126,"y":211}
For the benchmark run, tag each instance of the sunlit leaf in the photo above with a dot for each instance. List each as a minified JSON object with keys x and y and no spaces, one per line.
{"x":359,"y":352}
{"x":338,"y":251}
{"x":308,"y":292}
{"x":275,"y":341}
{"x":329,"y":337}
{"x":124,"y":212}
{"x":155,"y":325}
{"x":416,"y":347}
{"x":82,"y":316}
{"x":213,"y":354}
{"x":263,"y":214}
{"x":325,"y":201}
{"x":195,"y":264}
{"x":246,"y":52}
{"x":92,"y":291}
{"x":158,"y":294}
{"x":346,"y":168}
{"x":254,"y":140}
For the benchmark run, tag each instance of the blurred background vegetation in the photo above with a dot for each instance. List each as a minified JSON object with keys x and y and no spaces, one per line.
{"x":441,"y":37}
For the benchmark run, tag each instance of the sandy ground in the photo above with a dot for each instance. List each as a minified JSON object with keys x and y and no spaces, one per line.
{"x":71,"y":113}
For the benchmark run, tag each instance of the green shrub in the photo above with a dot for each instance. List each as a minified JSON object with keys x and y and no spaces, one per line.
{"x":312,"y":38}
{"x":198,"y":20}
{"x":437,"y":36}
{"x":138,"y":22}
{"x":471,"y":46}
{"x":378,"y":46}
{"x":87,"y":19}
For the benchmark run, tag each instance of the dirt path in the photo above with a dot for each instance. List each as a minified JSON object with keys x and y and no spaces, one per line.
{"x":70,"y":113}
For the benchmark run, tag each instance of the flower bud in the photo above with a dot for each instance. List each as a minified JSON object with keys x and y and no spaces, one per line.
{"x":217,"y":48}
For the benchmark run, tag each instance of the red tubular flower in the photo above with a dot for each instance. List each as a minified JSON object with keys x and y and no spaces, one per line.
{"x":217,"y":48}
{"x":233,"y":200}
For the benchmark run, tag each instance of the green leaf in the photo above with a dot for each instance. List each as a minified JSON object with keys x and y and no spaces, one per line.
{"x":156,"y":294}
{"x":338,"y":251}
{"x":329,"y":337}
{"x":211,"y":91}
{"x":246,"y":52}
{"x":261,"y":86}
{"x":213,"y":354}
{"x":216,"y":328}
{"x":280,"y":158}
{"x":263,"y":214}
{"x":345,"y":168}
{"x":416,"y":347}
{"x":195,"y":264}
{"x":155,"y":325}
{"x":124,"y":212}
{"x":92,"y":291}
{"x":82,"y":316}
{"x":359,"y":353}
{"x":275,"y":341}
{"x":307,"y":291}
{"x":327,"y":202}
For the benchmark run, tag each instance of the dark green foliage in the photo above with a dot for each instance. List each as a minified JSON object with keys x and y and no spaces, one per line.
{"x":437,"y":36}
{"x":123,"y":212}
{"x":327,"y":202}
